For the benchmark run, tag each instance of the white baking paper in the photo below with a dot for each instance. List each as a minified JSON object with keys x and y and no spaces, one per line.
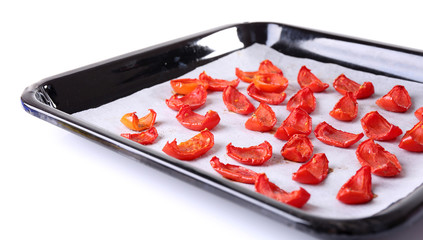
{"x":323,"y":202}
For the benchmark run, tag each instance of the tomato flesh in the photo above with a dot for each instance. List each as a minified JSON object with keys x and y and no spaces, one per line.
{"x":303,"y":99}
{"x":195,"y":121}
{"x":380,"y":161}
{"x":298,"y":148}
{"x":343,"y":84}
{"x":296,"y":198}
{"x":307,"y":79}
{"x":254,"y":155}
{"x":131,"y":121}
{"x":186,"y":85}
{"x":144,"y":138}
{"x":266,"y":97}
{"x":346,"y":108}
{"x":194,"y":99}
{"x":314,"y":171}
{"x":297,"y":122}
{"x":419,"y":114}
{"x":413,"y":139}
{"x":262,"y":120}
{"x":396,"y":100}
{"x":358,"y":189}
{"x":331,"y":136}
{"x":237,"y":102}
{"x":267,"y":66}
{"x":234,"y":172}
{"x":270,"y":82}
{"x":376,"y":127}
{"x":192,"y":148}
{"x":217,"y":84}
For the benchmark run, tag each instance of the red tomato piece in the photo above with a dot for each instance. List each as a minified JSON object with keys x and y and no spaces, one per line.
{"x":304,"y":99}
{"x":267,"y":66}
{"x":265,"y":97}
{"x":331,"y":136}
{"x":376,"y":127}
{"x":131,"y":121}
{"x":144,"y":138}
{"x":298,"y":122}
{"x":418,"y":113}
{"x":346,"y":108}
{"x":192,"y":148}
{"x":413,"y":139}
{"x":237,"y":102}
{"x":254,"y":155}
{"x":396,"y":100}
{"x":307,"y":79}
{"x":295,"y":198}
{"x":380,"y":161}
{"x":194,"y":99}
{"x":186,"y":85}
{"x":234,"y":172}
{"x":342,"y":84}
{"x":247,"y":77}
{"x":358,"y":189}
{"x":298,"y":148}
{"x":217,"y":84}
{"x":314,"y":171}
{"x":262,"y":120}
{"x":195,"y":121}
{"x":270,"y":82}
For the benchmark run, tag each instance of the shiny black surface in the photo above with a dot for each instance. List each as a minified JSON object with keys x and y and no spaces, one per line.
{"x":55,"y":98}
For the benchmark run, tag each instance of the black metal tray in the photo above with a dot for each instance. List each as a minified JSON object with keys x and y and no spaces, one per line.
{"x":54,"y":99}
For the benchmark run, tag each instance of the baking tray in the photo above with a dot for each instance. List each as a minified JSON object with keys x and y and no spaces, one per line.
{"x":54,"y":99}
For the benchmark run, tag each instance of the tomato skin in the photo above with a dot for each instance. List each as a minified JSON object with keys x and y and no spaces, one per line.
{"x":331,"y":136}
{"x":396,"y":100}
{"x":380,"y":161}
{"x":262,"y":120}
{"x":376,"y":127}
{"x":234,"y":172}
{"x":298,"y":148}
{"x":297,"y":122}
{"x":195,"y":121}
{"x":342,"y":84}
{"x":131,"y":121}
{"x":270,"y":82}
{"x":194,"y":99}
{"x":419,"y":114}
{"x":145,"y":138}
{"x":237,"y":102}
{"x":304,"y":99}
{"x":247,"y":77}
{"x":186,"y":85}
{"x":358,"y":189}
{"x":254,"y":155}
{"x":265,"y":97}
{"x":192,"y":148}
{"x":296,"y":198}
{"x":267,"y":66}
{"x":307,"y":79}
{"x":217,"y":84}
{"x":346,"y":108}
{"x":314,"y":171}
{"x":413,"y":139}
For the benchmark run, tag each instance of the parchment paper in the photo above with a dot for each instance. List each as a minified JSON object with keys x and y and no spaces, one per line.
{"x":344,"y":163}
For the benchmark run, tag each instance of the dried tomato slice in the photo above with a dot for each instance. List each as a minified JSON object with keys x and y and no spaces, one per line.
{"x":247,"y":77}
{"x":144,"y":138}
{"x":396,"y":100}
{"x":342,"y":84}
{"x":296,"y":198}
{"x":194,"y":99}
{"x":314,"y":171}
{"x":375,"y":126}
{"x":298,"y":148}
{"x":265,"y":97}
{"x":254,"y":155}
{"x":267,"y":66}
{"x":307,"y":79}
{"x":358,"y":189}
{"x":195,"y":121}
{"x":346,"y":108}
{"x":380,"y":161}
{"x":186,"y":85}
{"x":237,"y":102}
{"x":262,"y":120}
{"x":418,"y":113}
{"x":297,"y":122}
{"x":234,"y":172}
{"x":217,"y":84}
{"x":192,"y":148}
{"x":304,"y":99}
{"x":331,"y":136}
{"x":413,"y":139}
{"x":270,"y":82}
{"x":131,"y":121}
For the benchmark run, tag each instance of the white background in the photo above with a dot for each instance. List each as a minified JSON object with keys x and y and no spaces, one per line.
{"x":56,"y":185}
